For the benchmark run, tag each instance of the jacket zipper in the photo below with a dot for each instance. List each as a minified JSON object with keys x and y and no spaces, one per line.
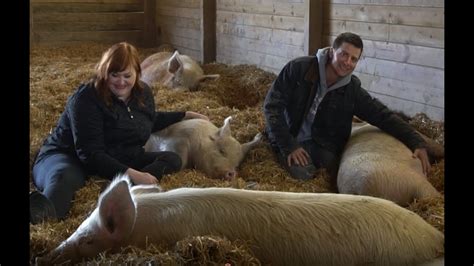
{"x":129,"y":112}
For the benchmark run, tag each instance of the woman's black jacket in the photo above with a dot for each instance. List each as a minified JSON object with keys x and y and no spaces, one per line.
{"x":106,"y":139}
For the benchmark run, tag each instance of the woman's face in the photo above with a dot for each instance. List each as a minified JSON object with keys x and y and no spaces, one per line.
{"x":121,"y":83}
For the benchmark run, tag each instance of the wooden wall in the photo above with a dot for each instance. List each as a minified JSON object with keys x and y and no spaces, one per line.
{"x":402,"y":65}
{"x":266,"y":33}
{"x":108,"y":21}
{"x":403,"y":62}
{"x":179,"y":24}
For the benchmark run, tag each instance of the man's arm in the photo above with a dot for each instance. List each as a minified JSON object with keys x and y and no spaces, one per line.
{"x":274,"y":107}
{"x":376,"y":113}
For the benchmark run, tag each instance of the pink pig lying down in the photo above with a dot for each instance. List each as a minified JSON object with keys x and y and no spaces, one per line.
{"x":376,"y":164}
{"x":173,"y":70}
{"x":203,"y":146}
{"x":282,"y":228}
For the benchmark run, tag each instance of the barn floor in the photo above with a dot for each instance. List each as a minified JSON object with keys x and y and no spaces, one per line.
{"x":55,"y":72}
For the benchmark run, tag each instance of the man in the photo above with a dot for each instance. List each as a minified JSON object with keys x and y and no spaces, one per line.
{"x":309,"y":109}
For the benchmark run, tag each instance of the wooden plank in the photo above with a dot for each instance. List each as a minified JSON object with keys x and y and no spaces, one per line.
{"x":267,"y":21}
{"x":369,"y":31}
{"x":134,"y":37}
{"x":417,"y":55}
{"x":432,"y":37}
{"x":288,"y":51}
{"x":401,"y":15}
{"x":411,"y":108}
{"x":226,"y":59}
{"x":194,"y":13}
{"x":313,"y":26}
{"x":405,"y":90}
{"x":89,"y":1}
{"x":150,"y":34}
{"x":111,"y":17}
{"x":285,"y":8}
{"x":181,"y":3}
{"x":182,"y":42}
{"x":430,"y":77}
{"x":85,"y":7}
{"x":244,"y":56}
{"x":274,"y":61}
{"x":87,"y":26}
{"x":412,"y":3}
{"x":258,"y":33}
{"x":208,"y":31}
{"x":330,"y":2}
{"x":182,"y":32}
{"x":163,"y":21}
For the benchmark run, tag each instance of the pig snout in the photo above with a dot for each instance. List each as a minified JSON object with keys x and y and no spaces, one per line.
{"x":57,"y":256}
{"x":229,"y":175}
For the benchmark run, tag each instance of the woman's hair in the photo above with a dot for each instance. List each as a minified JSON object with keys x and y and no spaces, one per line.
{"x":117,"y":59}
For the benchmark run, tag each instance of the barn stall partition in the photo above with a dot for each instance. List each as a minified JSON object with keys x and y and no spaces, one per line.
{"x":106,"y":21}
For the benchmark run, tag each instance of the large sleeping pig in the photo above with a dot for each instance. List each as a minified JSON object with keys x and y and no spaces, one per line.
{"x":203,"y":146}
{"x":281,"y":228}
{"x":173,"y":70}
{"x":376,"y":164}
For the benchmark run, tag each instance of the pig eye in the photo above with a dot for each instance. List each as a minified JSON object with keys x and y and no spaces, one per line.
{"x":87,"y":241}
{"x":222,"y":151}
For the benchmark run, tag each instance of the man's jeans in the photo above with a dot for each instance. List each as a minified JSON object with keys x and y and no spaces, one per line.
{"x":319,"y":158}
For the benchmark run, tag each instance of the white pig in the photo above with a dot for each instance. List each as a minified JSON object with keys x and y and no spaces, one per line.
{"x":173,"y":70}
{"x":281,"y":228}
{"x":203,"y":146}
{"x":376,"y":164}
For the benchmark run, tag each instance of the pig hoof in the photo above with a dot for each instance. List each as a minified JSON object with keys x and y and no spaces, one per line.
{"x":251,"y":185}
{"x":40,"y":261}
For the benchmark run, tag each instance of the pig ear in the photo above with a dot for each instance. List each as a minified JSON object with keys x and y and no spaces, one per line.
{"x":246,"y":147}
{"x":224,"y":131}
{"x":174,"y":64}
{"x":117,"y":210}
{"x":204,"y":77}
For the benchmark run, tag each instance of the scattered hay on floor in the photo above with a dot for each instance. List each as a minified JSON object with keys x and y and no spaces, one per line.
{"x":55,"y":72}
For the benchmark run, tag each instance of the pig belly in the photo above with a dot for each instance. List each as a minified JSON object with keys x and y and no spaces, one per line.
{"x":371,"y":175}
{"x":376,"y":164}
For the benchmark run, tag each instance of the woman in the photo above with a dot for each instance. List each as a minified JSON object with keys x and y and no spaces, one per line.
{"x":101,"y":132}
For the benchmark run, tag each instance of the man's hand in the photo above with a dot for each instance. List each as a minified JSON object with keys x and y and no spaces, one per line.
{"x":141,"y":178}
{"x":421,"y":154}
{"x":299,"y":157}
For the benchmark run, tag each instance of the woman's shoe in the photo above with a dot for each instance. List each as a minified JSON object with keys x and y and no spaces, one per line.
{"x":41,"y":208}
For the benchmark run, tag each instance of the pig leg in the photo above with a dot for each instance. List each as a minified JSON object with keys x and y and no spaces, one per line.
{"x":180,"y":146}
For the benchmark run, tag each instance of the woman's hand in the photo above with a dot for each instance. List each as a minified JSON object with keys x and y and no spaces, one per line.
{"x":194,"y":115}
{"x":141,"y":178}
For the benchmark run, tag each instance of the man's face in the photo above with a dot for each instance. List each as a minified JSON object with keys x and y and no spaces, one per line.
{"x":344,"y":59}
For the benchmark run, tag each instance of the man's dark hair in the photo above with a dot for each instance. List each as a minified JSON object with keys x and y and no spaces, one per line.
{"x":348,"y":37}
